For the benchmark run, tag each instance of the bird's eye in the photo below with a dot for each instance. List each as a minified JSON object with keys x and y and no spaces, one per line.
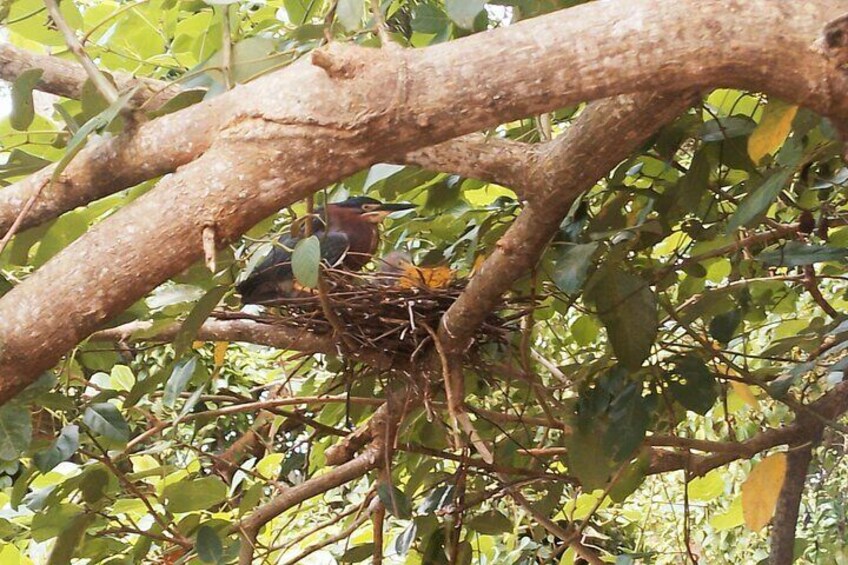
{"x":370,"y":207}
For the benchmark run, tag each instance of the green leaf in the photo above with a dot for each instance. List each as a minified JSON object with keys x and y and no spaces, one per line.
{"x":198,"y":494}
{"x":584,"y":330}
{"x":629,"y":418}
{"x":147,"y":385}
{"x":69,"y":539}
{"x":631,"y":477}
{"x":121,"y":378}
{"x":727,"y":128}
{"x":708,"y":487}
{"x":15,"y":430}
{"x":183,"y":99}
{"x":94,"y":484}
{"x":464,"y":12}
{"x":429,"y":19}
{"x":306,"y":259}
{"x":797,"y":254}
{"x":104,"y":419}
{"x":723,"y":326}
{"x":180,"y":376}
{"x":695,"y":182}
{"x":571,"y":266}
{"x":62,"y":448}
{"x":490,"y":523}
{"x":404,"y":540}
{"x":46,"y":525}
{"x":696,"y":387}
{"x":20,"y":163}
{"x":394,"y":500}
{"x":758,"y":201}
{"x":195,"y":319}
{"x":349,"y":13}
{"x":23,"y":108}
{"x":208,"y":545}
{"x":588,"y":459}
{"x":628,"y":309}
{"x":358,"y":553}
{"x":35,"y":391}
{"x":97,"y":123}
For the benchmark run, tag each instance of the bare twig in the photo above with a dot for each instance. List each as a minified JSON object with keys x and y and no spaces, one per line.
{"x":101,"y":83}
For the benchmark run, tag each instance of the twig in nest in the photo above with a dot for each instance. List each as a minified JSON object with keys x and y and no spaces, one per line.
{"x":374,"y":311}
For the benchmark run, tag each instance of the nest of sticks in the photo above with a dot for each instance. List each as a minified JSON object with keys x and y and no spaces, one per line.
{"x":388,"y":312}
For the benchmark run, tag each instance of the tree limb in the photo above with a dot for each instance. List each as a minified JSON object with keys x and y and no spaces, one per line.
{"x":66,"y":78}
{"x":786,"y":513}
{"x":288,"y":133}
{"x":249,"y":527}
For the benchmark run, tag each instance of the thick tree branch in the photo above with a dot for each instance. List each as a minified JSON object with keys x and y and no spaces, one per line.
{"x":786,"y":513}
{"x":110,"y":164}
{"x":288,"y":133}
{"x":66,"y":78}
{"x":491,"y":159}
{"x":599,"y":139}
{"x":248,"y":331}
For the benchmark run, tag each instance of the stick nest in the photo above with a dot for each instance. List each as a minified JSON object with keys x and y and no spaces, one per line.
{"x":387,"y":312}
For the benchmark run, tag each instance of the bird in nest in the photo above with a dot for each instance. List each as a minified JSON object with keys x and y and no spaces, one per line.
{"x":349,"y":235}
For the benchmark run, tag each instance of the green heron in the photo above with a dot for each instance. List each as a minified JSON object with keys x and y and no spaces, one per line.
{"x":349,"y":236}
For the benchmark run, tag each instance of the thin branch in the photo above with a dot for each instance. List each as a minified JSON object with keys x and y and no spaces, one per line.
{"x":812,"y":286}
{"x":101,"y":83}
{"x":19,"y":219}
{"x":344,"y":534}
{"x":249,"y":527}
{"x":66,"y":78}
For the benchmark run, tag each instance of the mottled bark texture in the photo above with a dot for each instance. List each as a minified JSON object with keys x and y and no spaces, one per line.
{"x":291,"y":132}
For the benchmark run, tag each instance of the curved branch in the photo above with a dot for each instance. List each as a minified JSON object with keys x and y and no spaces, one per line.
{"x":249,"y":331}
{"x":249,"y":527}
{"x":110,"y":164}
{"x":599,"y":139}
{"x":786,"y":512}
{"x":831,"y":406}
{"x":491,"y":159}
{"x":66,"y":78}
{"x":289,"y":133}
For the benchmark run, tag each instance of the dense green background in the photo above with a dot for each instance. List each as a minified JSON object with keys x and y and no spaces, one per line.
{"x":639,"y":312}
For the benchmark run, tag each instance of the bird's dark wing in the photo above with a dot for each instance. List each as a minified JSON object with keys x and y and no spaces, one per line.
{"x":273,"y":277}
{"x":334,"y":247}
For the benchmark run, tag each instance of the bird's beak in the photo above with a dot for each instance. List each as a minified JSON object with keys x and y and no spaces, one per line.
{"x":395,"y":207}
{"x":378,"y":215}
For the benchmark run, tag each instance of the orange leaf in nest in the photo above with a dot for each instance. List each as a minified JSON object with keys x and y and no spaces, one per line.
{"x":427,"y":277}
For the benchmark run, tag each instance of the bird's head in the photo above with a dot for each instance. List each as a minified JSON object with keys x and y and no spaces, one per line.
{"x":366,"y":209}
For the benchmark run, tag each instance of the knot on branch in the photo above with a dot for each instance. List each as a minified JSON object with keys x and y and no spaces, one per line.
{"x":836,"y":40}
{"x":338,"y":62}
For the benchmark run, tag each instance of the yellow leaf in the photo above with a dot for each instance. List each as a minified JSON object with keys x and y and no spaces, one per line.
{"x":772,"y":130}
{"x":478,"y":262}
{"x":744,"y":392}
{"x":197,"y":344}
{"x":220,"y":352}
{"x":761,"y":489}
{"x":429,"y":277}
